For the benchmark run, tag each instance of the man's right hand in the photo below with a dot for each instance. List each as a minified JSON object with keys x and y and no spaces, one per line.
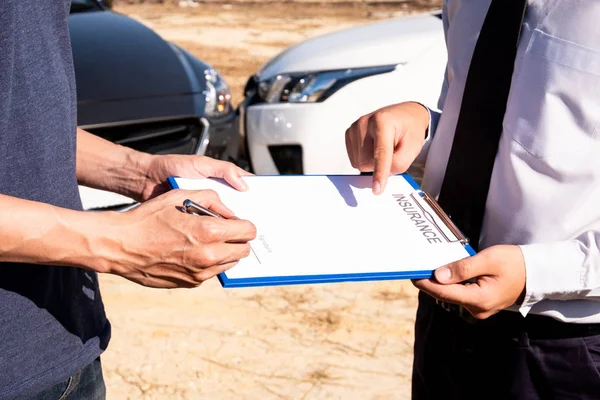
{"x":157,"y":245}
{"x":387,"y":141}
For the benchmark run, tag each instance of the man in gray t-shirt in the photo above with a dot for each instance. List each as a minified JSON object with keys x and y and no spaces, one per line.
{"x":52,"y":322}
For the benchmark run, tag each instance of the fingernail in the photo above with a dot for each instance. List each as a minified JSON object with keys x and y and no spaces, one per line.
{"x":443,"y":274}
{"x":243,"y":184}
{"x":376,"y":187}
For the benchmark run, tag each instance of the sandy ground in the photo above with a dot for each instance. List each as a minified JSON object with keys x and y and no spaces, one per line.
{"x":330,"y":341}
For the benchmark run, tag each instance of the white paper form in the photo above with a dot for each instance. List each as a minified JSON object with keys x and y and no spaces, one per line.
{"x":315,"y":225}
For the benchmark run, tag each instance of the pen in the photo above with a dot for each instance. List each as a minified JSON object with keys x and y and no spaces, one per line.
{"x":193,"y":208}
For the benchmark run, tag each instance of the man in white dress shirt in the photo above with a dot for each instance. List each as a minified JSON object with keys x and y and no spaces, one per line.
{"x":533,"y":311}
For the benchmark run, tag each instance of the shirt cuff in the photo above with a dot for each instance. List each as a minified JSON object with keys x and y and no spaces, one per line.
{"x":554,"y":271}
{"x":434,"y":117}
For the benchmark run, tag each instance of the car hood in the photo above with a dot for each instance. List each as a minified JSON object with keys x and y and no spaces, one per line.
{"x":118,"y":58}
{"x":388,"y":42}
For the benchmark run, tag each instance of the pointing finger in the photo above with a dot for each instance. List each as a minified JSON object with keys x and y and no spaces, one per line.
{"x":350,"y":147}
{"x":383,"y":153}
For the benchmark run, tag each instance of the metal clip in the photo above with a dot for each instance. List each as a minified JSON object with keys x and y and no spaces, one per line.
{"x":435,"y":207}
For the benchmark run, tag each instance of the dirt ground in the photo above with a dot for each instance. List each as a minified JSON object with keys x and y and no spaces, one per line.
{"x":329,"y":341}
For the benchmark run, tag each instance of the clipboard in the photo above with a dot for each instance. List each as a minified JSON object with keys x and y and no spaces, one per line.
{"x":439,"y":239}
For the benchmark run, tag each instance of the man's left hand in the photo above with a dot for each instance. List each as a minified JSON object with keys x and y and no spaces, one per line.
{"x":159,"y":168}
{"x":496,"y":278}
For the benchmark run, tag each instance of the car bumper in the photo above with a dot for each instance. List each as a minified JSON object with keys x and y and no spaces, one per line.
{"x":294,"y":138}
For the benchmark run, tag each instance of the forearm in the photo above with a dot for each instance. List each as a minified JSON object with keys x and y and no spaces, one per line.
{"x":104,"y":165}
{"x":32,"y":232}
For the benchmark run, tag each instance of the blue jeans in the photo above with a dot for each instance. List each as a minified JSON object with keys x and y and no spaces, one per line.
{"x":87,"y":384}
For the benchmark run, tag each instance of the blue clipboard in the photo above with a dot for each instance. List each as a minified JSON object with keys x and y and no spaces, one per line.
{"x":334,"y":278}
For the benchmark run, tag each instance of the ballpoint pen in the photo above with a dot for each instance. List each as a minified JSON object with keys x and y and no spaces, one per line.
{"x":193,"y":208}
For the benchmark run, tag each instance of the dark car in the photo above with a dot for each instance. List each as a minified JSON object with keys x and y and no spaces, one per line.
{"x":138,"y":90}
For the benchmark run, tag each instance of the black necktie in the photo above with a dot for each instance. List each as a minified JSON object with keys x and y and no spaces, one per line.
{"x":466,"y":183}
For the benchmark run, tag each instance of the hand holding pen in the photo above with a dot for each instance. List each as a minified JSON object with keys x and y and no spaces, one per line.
{"x":169,"y":248}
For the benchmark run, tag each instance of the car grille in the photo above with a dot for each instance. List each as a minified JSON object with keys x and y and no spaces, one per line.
{"x":182,"y":136}
{"x":287,"y":159}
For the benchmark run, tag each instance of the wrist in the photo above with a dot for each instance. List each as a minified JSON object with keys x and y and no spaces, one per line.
{"x":100,"y":241}
{"x":107,"y":166}
{"x":423,"y":115}
{"x":136,"y":174}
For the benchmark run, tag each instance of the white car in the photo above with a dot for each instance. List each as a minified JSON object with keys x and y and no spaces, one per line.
{"x":298,"y":106}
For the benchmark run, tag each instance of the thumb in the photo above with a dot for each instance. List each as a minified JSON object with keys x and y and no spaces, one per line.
{"x":229,"y":172}
{"x":460,"y":271}
{"x":233,"y":176}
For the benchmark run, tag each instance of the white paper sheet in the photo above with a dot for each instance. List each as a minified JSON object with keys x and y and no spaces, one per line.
{"x":329,"y":225}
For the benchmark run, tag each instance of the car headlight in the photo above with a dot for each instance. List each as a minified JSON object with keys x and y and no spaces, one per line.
{"x":312,"y":87}
{"x":218,"y":96}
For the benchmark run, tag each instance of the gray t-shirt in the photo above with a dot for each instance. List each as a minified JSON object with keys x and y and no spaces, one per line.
{"x":52,"y":320}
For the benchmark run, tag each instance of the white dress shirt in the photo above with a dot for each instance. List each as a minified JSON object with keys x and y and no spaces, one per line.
{"x":545,"y":188}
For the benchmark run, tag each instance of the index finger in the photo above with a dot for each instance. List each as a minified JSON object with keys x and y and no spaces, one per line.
{"x":383,"y":153}
{"x":458,"y":293}
{"x":210,"y":199}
